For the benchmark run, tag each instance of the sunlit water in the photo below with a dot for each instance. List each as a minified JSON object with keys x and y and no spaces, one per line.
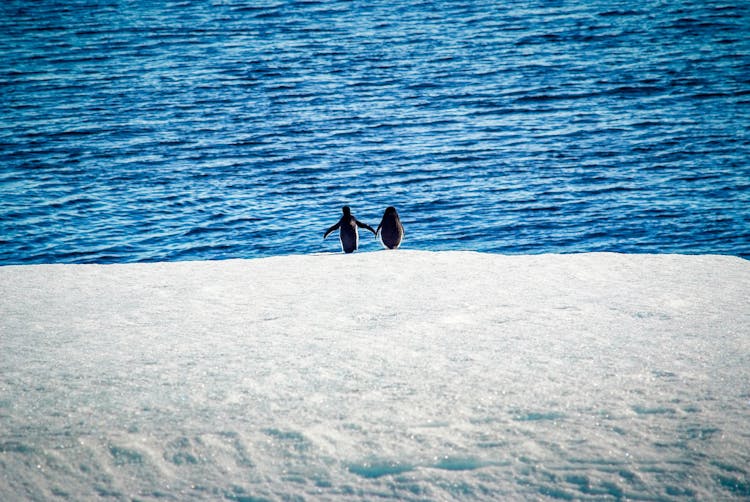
{"x":144,"y":131}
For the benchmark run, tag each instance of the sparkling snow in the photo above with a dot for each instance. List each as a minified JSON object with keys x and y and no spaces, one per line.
{"x":391,"y":374}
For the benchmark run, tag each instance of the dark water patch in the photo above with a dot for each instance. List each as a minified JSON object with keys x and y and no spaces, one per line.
{"x":620,"y":13}
{"x":204,"y":230}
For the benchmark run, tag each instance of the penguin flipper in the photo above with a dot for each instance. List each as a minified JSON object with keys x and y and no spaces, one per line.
{"x":365,"y":225}
{"x":333,"y":227}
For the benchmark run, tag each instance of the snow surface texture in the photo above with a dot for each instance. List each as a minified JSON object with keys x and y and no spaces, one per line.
{"x":395,"y":374}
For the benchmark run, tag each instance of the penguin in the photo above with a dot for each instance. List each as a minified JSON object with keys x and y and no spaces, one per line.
{"x":390,"y":229}
{"x":348,"y":233}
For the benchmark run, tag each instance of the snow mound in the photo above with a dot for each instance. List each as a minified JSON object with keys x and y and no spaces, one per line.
{"x":393,"y":374}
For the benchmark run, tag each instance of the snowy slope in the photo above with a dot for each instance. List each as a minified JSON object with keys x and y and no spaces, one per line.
{"x":406,"y":374}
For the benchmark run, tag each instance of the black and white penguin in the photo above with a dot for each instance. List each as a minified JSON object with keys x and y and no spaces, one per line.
{"x":390,"y":229}
{"x":348,"y":233}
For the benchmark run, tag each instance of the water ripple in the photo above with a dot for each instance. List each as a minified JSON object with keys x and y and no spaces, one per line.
{"x":197,"y":131}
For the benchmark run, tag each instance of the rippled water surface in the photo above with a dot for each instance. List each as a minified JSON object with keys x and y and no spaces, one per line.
{"x":140,"y":131}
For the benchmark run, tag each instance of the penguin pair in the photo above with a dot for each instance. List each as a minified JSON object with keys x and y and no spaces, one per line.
{"x":390,"y":229}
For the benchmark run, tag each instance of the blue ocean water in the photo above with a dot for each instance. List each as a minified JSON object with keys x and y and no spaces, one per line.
{"x":140,"y":130}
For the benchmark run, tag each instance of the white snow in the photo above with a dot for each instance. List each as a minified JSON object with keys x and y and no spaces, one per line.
{"x":391,"y":374}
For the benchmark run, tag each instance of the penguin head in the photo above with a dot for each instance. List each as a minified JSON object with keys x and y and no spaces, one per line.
{"x":346,"y":210}
{"x":390,"y":210}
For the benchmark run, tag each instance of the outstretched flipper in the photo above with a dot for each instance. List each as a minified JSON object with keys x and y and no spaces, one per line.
{"x":365,"y":225}
{"x":333,"y":227}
